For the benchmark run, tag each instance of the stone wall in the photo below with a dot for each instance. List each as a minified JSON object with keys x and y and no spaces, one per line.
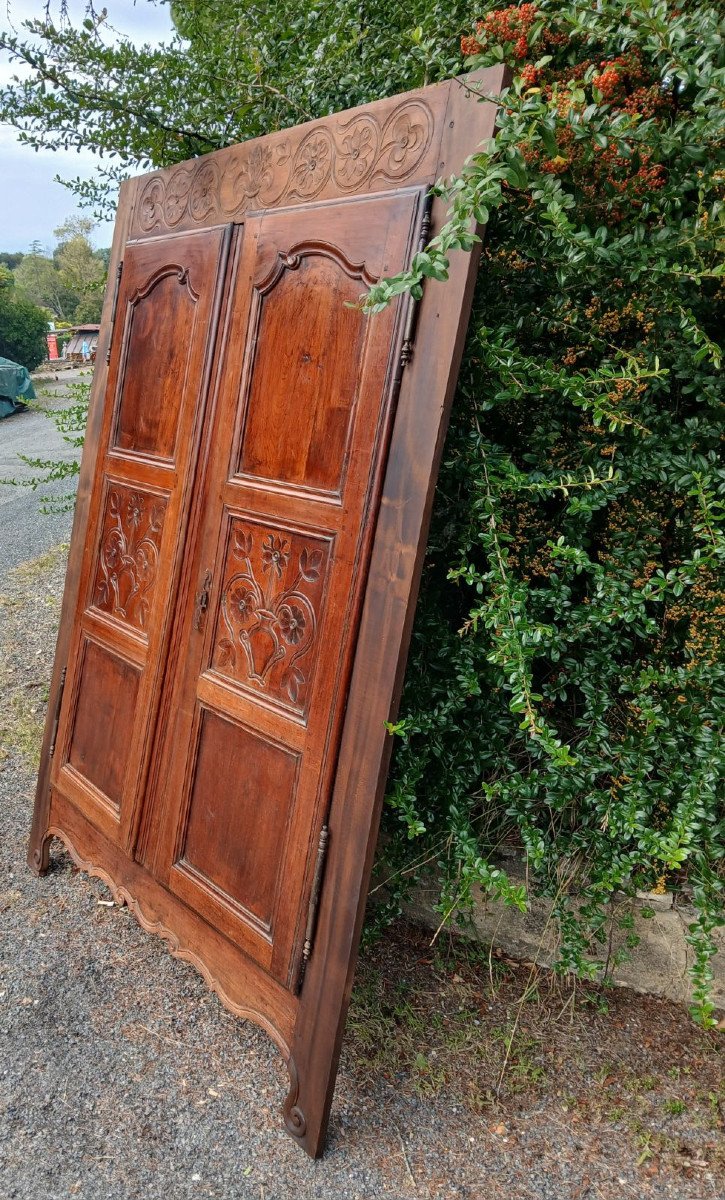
{"x":658,"y":965}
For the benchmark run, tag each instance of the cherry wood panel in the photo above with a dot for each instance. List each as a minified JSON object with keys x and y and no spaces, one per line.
{"x":150,"y":402}
{"x":129,"y":554}
{"x":229,"y":832}
{"x":254,"y":499}
{"x":272,"y":596}
{"x":107,"y":694}
{"x":311,"y":372}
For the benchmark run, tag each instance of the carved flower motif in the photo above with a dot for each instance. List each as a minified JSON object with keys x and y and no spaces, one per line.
{"x":203,"y":192}
{"x":113,"y":549}
{"x":313,"y":165}
{"x":145,"y":564}
{"x":243,"y":601}
{"x":292,"y":623}
{"x":407,"y":137}
{"x":150,"y":210}
{"x":257,"y":172}
{"x":176,"y":197}
{"x":275,"y":554}
{"x":129,"y":557}
{"x":134,"y":509}
{"x":358,"y":151}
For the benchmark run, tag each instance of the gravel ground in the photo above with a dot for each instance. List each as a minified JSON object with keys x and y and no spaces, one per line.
{"x":26,"y":531}
{"x":122,"y":1077}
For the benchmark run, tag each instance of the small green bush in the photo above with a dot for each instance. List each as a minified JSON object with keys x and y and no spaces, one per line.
{"x":22,"y":330}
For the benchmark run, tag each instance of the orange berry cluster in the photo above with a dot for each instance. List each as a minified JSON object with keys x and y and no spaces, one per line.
{"x":647,"y":102}
{"x":610,"y":181}
{"x":470,"y":46}
{"x":610,"y":83}
{"x":530,"y":75}
{"x":506,"y":25}
{"x":616,"y":76}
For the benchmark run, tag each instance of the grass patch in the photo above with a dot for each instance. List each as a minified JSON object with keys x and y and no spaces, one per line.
{"x":36,"y":569}
{"x":22,"y":720}
{"x":29,"y":608}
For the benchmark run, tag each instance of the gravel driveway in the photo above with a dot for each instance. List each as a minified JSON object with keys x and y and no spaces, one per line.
{"x":463,"y":1077}
{"x":26,"y":532}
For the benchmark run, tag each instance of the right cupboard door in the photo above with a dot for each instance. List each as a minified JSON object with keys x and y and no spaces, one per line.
{"x":307,"y":387}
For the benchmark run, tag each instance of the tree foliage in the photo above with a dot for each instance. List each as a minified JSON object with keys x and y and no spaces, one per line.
{"x":69,"y":283}
{"x":565,"y":688}
{"x":23,"y":326}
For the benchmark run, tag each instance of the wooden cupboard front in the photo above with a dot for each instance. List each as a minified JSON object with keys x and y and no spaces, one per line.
{"x":254,"y":498}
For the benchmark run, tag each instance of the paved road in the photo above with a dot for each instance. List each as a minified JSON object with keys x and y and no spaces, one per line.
{"x":25,"y":531}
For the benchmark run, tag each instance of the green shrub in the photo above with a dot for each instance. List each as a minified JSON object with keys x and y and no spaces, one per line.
{"x":22,"y":330}
{"x":565,"y":689}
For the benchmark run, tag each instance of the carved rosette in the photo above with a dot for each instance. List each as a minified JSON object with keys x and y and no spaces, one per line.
{"x":350,"y":155}
{"x":313,"y":165}
{"x":405,"y":140}
{"x":177,"y":197}
{"x":151,"y":212}
{"x":358,"y":144}
{"x":128,"y":560}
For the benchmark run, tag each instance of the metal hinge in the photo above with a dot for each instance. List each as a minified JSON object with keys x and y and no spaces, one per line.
{"x":406,"y":350}
{"x":56,"y":717}
{"x":314,"y":901}
{"x":119,"y":269}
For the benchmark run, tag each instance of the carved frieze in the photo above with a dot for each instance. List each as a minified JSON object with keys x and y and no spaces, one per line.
{"x":333,"y":157}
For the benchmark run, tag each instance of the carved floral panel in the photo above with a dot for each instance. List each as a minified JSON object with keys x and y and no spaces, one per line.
{"x":128,"y":559}
{"x":266,"y":636}
{"x":332,"y":157}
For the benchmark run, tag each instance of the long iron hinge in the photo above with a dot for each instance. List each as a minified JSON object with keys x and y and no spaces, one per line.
{"x":56,"y":715}
{"x":117,"y":285}
{"x":406,"y":350}
{"x":314,"y":901}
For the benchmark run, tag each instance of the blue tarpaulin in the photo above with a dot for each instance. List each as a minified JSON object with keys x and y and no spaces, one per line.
{"x":16,"y":386}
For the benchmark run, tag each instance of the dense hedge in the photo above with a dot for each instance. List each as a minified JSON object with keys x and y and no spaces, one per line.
{"x":565,"y":689}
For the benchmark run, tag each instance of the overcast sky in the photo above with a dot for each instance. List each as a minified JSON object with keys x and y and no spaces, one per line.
{"x":31,"y":204}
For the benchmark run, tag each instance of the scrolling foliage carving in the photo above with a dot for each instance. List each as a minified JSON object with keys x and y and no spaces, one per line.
{"x":269,"y":615}
{"x":345,"y":156}
{"x":129,"y":555}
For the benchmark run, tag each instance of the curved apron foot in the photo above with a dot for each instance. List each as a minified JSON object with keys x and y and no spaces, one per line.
{"x":39,"y":854}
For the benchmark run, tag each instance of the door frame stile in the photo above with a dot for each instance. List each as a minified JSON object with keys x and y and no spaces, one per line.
{"x":38,"y":848}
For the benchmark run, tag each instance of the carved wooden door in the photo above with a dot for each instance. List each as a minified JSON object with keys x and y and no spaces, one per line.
{"x":303,"y":411}
{"x":254,"y":497}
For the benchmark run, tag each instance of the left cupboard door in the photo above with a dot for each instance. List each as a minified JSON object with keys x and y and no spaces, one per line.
{"x":156,"y":406}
